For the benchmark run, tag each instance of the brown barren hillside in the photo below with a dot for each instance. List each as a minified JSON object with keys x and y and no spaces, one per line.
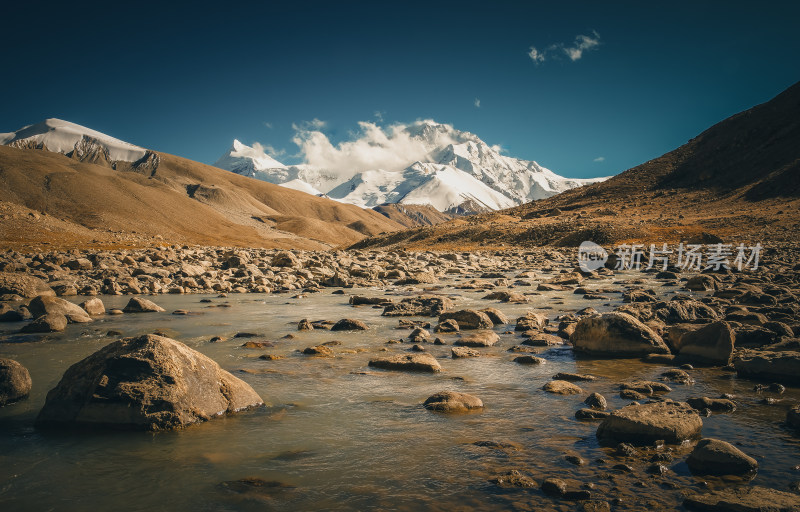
{"x":48,"y":200}
{"x":738,"y":181}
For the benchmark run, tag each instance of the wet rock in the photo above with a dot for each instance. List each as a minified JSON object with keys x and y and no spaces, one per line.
{"x":595,"y":506}
{"x":617,"y":334}
{"x":140,"y":305}
{"x":554,"y":487}
{"x":744,"y":499}
{"x":513,"y":297}
{"x":701,"y":282}
{"x":514,"y":479}
{"x":148,"y":383}
{"x":319,"y":351}
{"x":793,"y":417}
{"x":49,"y":305}
{"x":495,"y":315}
{"x":462,"y":352}
{"x":257,"y":344}
{"x":13,"y":283}
{"x":562,"y":387}
{"x":715,"y":457}
{"x":468,"y":319}
{"x":305,"y":325}
{"x":672,"y":422}
{"x":94,"y":307}
{"x":646,"y":387}
{"x":408,"y":362}
{"x":712,"y":404}
{"x":357,"y":300}
{"x":15,"y":381}
{"x":419,"y":335}
{"x":531,"y":322}
{"x":541,"y":339}
{"x":452,"y":401}
{"x":484,"y":338}
{"x":529,"y":359}
{"x":712,"y":344}
{"x":255,"y":487}
{"x":447,"y":326}
{"x":574,"y":377}
{"x":53,"y":322}
{"x":349,"y":324}
{"x":591,"y":414}
{"x":9,"y":314}
{"x":782,"y":366}
{"x":677,"y":375}
{"x":596,"y":401}
{"x":419,"y":306}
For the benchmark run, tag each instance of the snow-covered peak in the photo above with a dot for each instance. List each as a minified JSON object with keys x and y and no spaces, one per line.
{"x":65,"y":137}
{"x":247,"y":160}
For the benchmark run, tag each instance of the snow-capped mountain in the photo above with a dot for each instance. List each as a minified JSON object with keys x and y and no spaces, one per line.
{"x":73,"y":140}
{"x":458,"y":172}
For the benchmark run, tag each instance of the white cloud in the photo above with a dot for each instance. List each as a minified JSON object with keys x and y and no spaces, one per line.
{"x":535,"y":55}
{"x":582,"y":43}
{"x":392,"y":148}
{"x":268,"y":150}
{"x":268,"y":125}
{"x":477,"y":103}
{"x":498,"y":148}
{"x":599,"y":159}
{"x":314,"y":124}
{"x":575,"y":51}
{"x":379,"y":115}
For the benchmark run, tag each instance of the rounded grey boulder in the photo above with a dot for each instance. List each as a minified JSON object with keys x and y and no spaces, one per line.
{"x":617,"y":334}
{"x":715,"y":457}
{"x":453,"y":401}
{"x":15,"y":381}
{"x":145,"y":383}
{"x":672,"y":422}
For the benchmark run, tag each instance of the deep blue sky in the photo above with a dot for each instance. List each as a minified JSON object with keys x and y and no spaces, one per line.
{"x":188,"y":79}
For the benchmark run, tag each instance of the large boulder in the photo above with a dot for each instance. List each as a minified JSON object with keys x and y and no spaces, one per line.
{"x":744,"y":499}
{"x":140,"y":305}
{"x":349,"y":324}
{"x":145,"y":383}
{"x":781,"y":366}
{"x":419,"y":306}
{"x":15,"y":381}
{"x":712,"y":344}
{"x":52,"y":322}
{"x":452,"y":401}
{"x":468,"y":319}
{"x":418,"y":362}
{"x":14,"y":283}
{"x":49,"y":305}
{"x":715,"y":457}
{"x":616,"y":334}
{"x":285,"y":259}
{"x":94,"y":307}
{"x":672,"y":422}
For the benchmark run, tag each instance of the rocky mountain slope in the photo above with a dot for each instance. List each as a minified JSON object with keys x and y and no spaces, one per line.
{"x":107,"y":192}
{"x":459,"y":173}
{"x":738,"y":180}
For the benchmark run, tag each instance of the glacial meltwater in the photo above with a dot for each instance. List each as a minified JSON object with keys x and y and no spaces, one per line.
{"x":339,"y":435}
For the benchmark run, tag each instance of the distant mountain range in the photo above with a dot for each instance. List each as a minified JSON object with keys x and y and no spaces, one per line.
{"x":459,"y":174}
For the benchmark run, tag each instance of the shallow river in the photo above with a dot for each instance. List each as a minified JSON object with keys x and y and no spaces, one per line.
{"x":342,"y":436}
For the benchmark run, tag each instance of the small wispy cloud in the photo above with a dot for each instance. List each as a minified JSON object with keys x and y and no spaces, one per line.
{"x":477,"y":103}
{"x":379,"y":115}
{"x":268,"y":124}
{"x":599,"y":159}
{"x":573,"y":51}
{"x":268,"y":150}
{"x":314,"y":124}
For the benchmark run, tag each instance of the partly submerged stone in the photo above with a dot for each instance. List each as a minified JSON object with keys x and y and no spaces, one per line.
{"x":52,"y":322}
{"x":140,"y":305}
{"x":712,"y":344}
{"x":419,"y":306}
{"x":715,"y":457}
{"x":744,"y":499}
{"x":562,"y":387}
{"x":145,"y":383}
{"x":616,"y":334}
{"x":781,"y":366}
{"x":468,"y":319}
{"x":484,"y":338}
{"x":453,"y":401}
{"x":15,"y":381}
{"x":416,"y":362}
{"x":349,"y":324}
{"x":48,"y":305}
{"x":672,"y":422}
